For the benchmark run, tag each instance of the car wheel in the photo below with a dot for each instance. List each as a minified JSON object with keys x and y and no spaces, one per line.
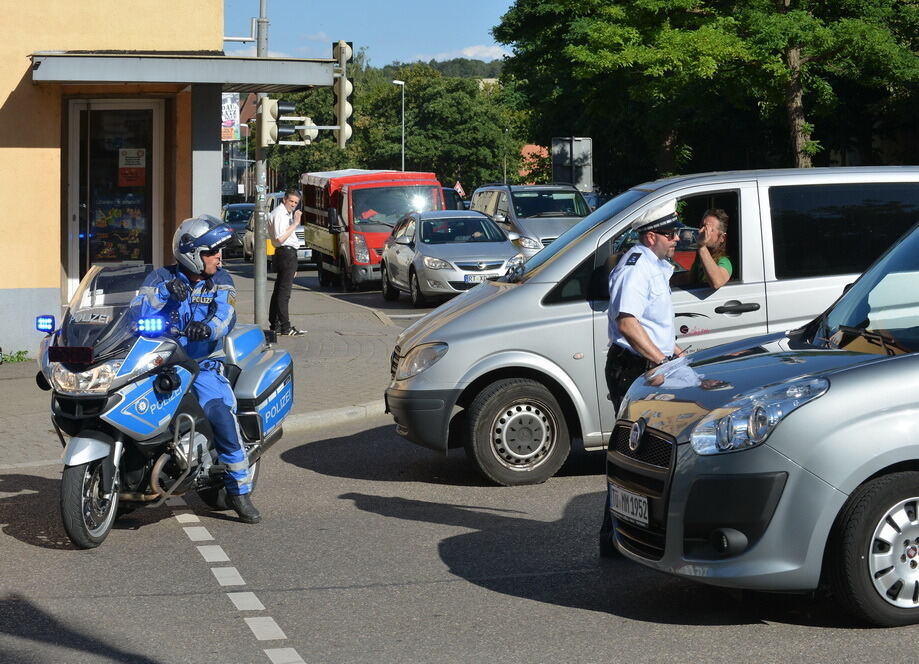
{"x":418,"y":298}
{"x":517,"y":432}
{"x":874,"y":555}
{"x":390,"y":292}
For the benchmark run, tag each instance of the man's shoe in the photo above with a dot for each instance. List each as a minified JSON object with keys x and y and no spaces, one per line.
{"x":293,"y":332}
{"x":243,"y":506}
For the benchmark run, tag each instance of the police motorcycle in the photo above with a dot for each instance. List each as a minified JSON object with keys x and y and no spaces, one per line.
{"x":123,"y":408}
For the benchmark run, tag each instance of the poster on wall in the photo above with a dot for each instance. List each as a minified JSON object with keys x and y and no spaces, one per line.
{"x":119,"y":228}
{"x":132,"y":167}
{"x":229,"y":126}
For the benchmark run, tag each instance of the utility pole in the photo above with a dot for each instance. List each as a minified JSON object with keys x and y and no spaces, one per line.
{"x":259,"y":254}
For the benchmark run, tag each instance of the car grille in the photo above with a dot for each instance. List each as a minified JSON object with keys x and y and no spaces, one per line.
{"x":479,"y":266}
{"x":461,"y":285}
{"x":394,"y":362}
{"x":647,"y":470}
{"x":546,"y":241}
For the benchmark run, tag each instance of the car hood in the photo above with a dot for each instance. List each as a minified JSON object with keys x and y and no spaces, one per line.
{"x":469,"y":251}
{"x":674,"y":397}
{"x":545,"y":227}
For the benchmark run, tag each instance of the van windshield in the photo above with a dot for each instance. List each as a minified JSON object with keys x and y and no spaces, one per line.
{"x":880,"y":313}
{"x":597,"y":217}
{"x":387,"y":205}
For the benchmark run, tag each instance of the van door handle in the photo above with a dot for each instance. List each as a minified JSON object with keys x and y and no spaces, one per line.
{"x":737,"y":308}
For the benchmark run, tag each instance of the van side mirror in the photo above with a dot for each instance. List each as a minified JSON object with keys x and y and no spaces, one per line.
{"x":334,"y":226}
{"x":499,"y":218}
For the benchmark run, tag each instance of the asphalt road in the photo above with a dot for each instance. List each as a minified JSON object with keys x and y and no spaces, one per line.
{"x":374,"y":550}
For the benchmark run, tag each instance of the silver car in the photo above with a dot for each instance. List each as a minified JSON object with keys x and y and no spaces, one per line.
{"x":442,"y":253}
{"x":775,"y":463}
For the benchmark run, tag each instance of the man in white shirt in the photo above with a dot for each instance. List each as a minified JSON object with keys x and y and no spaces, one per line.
{"x":282,"y":229}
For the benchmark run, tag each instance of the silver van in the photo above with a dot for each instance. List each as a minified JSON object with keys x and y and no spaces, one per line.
{"x":512,"y":369}
{"x":787,"y":461}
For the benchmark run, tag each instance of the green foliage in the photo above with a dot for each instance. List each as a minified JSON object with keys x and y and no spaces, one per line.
{"x":18,"y":356}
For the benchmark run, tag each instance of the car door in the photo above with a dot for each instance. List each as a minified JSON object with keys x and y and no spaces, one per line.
{"x":404,"y":254}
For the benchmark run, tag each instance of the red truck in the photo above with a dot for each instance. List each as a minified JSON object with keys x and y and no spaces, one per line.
{"x":348,"y":214}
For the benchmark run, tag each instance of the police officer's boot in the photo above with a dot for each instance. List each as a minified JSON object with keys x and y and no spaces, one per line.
{"x":243,"y":506}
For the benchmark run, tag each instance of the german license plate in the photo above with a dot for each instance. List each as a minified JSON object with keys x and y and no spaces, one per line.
{"x":478,"y":278}
{"x":630,"y":506}
{"x":304,"y":254}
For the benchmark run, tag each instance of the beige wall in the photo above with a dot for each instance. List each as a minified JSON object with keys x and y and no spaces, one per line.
{"x":31,"y":122}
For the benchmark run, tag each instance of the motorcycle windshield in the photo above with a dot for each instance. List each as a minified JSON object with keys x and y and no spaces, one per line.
{"x":100,"y":313}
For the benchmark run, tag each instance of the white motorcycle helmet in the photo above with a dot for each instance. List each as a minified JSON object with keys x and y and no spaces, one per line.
{"x":201,"y":234}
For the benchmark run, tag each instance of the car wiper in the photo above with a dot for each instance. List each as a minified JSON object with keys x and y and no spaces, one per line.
{"x":552,"y":213}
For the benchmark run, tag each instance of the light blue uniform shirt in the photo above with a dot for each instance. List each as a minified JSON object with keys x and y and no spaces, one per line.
{"x":640,"y":285}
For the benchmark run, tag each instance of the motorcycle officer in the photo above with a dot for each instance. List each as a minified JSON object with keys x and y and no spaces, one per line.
{"x":203,"y":297}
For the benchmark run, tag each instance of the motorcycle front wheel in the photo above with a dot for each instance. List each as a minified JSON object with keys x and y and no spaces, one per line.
{"x":87,"y":513}
{"x":215,"y":497}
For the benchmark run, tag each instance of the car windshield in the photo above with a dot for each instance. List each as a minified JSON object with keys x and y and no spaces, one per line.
{"x":387,"y":205}
{"x":238,"y":215}
{"x":447,"y":231}
{"x":549,"y":203}
{"x":880,"y":313}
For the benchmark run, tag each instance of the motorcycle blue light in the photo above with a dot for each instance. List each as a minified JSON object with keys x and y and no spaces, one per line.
{"x":44,"y":323}
{"x":151,"y":327}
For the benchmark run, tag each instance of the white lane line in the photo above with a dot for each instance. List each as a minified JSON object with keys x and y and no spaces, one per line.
{"x":246,"y":601}
{"x":284,"y":656}
{"x":187,"y":517}
{"x":228,"y":576}
{"x":176,"y":501}
{"x":198,"y":533}
{"x":214,"y":554}
{"x":265,"y":629}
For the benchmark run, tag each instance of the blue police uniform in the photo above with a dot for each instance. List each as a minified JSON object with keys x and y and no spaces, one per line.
{"x":211,"y":301}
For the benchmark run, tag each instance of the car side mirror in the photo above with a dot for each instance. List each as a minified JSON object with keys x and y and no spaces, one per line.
{"x":404,"y":239}
{"x":513,"y":237}
{"x":499,"y":218}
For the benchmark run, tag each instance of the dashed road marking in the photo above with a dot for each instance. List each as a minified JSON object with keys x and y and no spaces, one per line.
{"x":214,"y":553}
{"x":198,"y":533}
{"x":187,"y":517}
{"x":284,"y":656}
{"x":265,"y":628}
{"x":228,"y":576}
{"x":246,"y":601}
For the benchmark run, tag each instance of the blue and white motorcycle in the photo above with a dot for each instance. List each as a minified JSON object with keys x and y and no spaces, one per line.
{"x":121,"y":402}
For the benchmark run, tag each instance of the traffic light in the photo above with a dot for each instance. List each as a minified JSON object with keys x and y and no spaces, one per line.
{"x":308,"y":135}
{"x":342,"y":87}
{"x":269,"y":112}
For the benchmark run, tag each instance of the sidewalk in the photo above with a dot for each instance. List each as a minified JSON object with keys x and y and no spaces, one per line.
{"x":341,"y":368}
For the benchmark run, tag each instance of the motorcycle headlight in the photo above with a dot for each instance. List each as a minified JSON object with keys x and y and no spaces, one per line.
{"x":97,"y":380}
{"x":528,"y":242}
{"x":361,"y":252}
{"x":747,"y":422}
{"x":420,"y":358}
{"x":436,"y":264}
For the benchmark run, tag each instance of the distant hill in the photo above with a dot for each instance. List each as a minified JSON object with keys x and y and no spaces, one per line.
{"x":457,"y":68}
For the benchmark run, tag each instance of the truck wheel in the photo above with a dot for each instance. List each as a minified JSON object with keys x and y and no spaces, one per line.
{"x":347,"y":283}
{"x":874,"y":554}
{"x":390,"y":292}
{"x":418,"y":298}
{"x":517,"y":432}
{"x":325,"y":277}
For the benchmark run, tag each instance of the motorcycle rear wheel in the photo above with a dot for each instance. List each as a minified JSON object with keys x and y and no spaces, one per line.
{"x":215,"y":497}
{"x":87,"y":515}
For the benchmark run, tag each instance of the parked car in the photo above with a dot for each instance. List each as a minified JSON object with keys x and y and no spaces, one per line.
{"x":538,"y":213}
{"x":237,"y":215}
{"x":304,"y":254}
{"x":442,"y":253}
{"x":533,"y":344}
{"x":773,"y":463}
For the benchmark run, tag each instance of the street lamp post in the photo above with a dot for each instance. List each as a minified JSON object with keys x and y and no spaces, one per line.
{"x":401,"y":84}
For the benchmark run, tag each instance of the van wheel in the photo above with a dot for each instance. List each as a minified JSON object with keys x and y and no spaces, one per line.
{"x":418,"y":298}
{"x":517,"y":432}
{"x":390,"y":292}
{"x":325,"y":277}
{"x":874,"y":555}
{"x":347,"y":283}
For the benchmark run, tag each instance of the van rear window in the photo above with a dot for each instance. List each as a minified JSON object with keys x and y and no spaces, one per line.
{"x":828,"y":229}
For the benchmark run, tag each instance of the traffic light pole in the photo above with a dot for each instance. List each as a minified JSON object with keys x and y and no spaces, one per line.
{"x":259,"y":253}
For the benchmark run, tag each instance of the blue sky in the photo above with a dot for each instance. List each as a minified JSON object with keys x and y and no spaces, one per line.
{"x":390,"y":30}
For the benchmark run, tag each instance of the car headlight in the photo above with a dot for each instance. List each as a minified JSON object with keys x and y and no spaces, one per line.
{"x":528,"y":242}
{"x":97,"y":380}
{"x":420,"y":358}
{"x":436,"y":264}
{"x":747,"y":422}
{"x":361,"y":252}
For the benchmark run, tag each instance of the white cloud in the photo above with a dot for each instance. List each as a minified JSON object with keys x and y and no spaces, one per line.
{"x":250,"y":52}
{"x":478,"y":52}
{"x":318,"y":36}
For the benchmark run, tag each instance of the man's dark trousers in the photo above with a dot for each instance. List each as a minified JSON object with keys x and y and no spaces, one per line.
{"x":285,"y":266}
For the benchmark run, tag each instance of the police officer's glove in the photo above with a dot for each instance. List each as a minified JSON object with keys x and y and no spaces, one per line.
{"x":197,"y":331}
{"x":178,"y":290}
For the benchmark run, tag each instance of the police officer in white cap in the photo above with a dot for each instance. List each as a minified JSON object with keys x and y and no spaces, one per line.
{"x":640,"y":328}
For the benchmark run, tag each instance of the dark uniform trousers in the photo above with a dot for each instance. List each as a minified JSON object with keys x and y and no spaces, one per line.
{"x":622,"y":367}
{"x":285,"y":267}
